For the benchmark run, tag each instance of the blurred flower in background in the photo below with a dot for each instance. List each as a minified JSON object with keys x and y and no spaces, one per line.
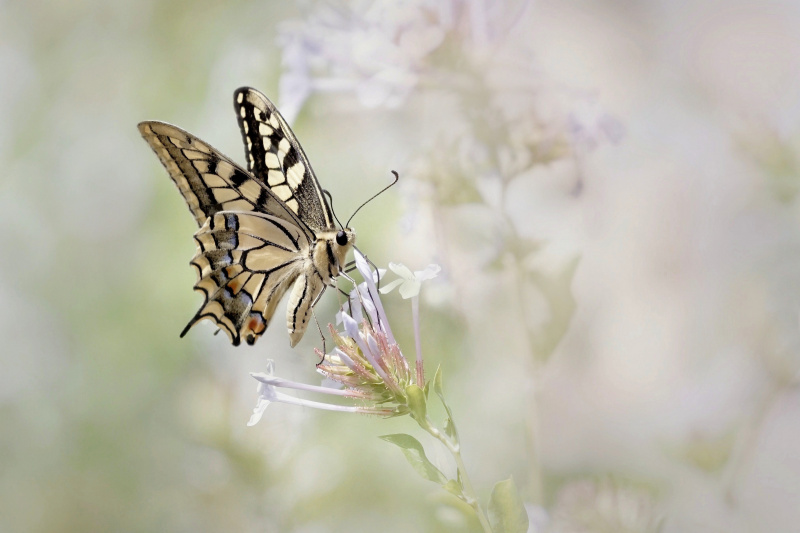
{"x":599,"y":506}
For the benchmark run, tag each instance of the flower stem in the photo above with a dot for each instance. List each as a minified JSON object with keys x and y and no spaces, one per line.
{"x":466,"y":485}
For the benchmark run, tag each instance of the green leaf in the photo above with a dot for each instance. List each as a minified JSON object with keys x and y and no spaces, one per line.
{"x":506,"y":512}
{"x":454,"y":488}
{"x":437,"y":381}
{"x":449,"y":425}
{"x":415,"y":455}
{"x":417,"y":403}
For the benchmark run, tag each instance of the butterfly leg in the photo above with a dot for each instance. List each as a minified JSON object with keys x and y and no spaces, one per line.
{"x":347,"y":294}
{"x":319,"y":328}
{"x":360,"y":299}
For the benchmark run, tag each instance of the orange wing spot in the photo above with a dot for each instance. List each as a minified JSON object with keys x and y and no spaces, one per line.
{"x":256,"y":325}
{"x":235,"y":284}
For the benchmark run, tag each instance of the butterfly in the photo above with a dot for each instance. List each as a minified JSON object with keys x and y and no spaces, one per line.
{"x":263,"y":231}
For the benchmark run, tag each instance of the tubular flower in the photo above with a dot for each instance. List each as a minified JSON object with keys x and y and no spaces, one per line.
{"x":366,"y":361}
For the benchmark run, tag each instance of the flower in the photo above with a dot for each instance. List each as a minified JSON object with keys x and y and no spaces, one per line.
{"x":367,"y":358}
{"x":383,"y":51}
{"x":590,"y":124}
{"x":604,"y":505}
{"x":410,"y":282}
{"x":268,"y":392}
{"x":366,"y":361}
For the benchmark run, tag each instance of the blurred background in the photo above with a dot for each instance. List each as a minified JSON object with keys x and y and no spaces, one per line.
{"x":609,"y":186}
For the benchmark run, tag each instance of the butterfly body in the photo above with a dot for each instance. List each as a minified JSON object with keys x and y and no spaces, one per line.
{"x":263,"y":231}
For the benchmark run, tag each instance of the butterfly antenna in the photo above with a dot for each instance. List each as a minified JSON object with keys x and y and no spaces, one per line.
{"x":327,"y":193}
{"x":396,"y":177}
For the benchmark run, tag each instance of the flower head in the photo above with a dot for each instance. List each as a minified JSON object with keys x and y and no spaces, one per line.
{"x":366,"y":357}
{"x":366,"y":361}
{"x":410,"y":282}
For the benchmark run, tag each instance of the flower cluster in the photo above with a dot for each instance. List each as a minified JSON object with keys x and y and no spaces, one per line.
{"x":382,"y":51}
{"x":366,"y":359}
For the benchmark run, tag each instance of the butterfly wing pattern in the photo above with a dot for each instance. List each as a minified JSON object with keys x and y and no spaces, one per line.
{"x":276,"y":158}
{"x":263,"y":231}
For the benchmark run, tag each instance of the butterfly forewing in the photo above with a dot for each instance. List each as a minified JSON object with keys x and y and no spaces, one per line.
{"x":275,"y":157}
{"x":208,"y":180}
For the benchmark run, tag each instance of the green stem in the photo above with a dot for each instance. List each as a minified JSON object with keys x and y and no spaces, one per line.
{"x":466,"y":485}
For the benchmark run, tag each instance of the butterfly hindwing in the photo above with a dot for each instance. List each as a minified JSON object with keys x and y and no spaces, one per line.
{"x":245,"y":263}
{"x":275,"y":157}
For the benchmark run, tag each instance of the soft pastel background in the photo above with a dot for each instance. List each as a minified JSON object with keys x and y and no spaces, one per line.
{"x":609,"y":186}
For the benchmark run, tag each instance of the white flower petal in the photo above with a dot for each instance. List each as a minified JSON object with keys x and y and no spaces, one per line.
{"x":266,"y":393}
{"x":430,"y":272}
{"x":391,"y":286}
{"x":258,"y":412}
{"x":410,"y":289}
{"x":401,"y":270}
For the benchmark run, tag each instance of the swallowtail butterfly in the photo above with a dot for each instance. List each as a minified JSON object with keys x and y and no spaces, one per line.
{"x":263,"y":231}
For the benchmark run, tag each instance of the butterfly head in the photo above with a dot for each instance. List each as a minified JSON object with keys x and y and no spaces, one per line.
{"x":342,"y":242}
{"x":331,"y":250}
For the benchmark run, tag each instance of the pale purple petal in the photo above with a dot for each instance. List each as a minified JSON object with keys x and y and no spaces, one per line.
{"x":373,"y":344}
{"x":351,"y":326}
{"x":345,"y":359}
{"x":382,"y":322}
{"x":357,"y":315}
{"x":363,"y":265}
{"x":369,"y":307}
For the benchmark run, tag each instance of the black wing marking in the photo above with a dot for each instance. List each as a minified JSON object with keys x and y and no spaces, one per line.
{"x":245,"y":263}
{"x":276,"y":158}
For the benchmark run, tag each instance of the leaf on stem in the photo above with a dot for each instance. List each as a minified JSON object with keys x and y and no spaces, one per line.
{"x":506,"y":511}
{"x":415,"y":455}
{"x":417,"y":403}
{"x":449,"y":425}
{"x":454,"y":487}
